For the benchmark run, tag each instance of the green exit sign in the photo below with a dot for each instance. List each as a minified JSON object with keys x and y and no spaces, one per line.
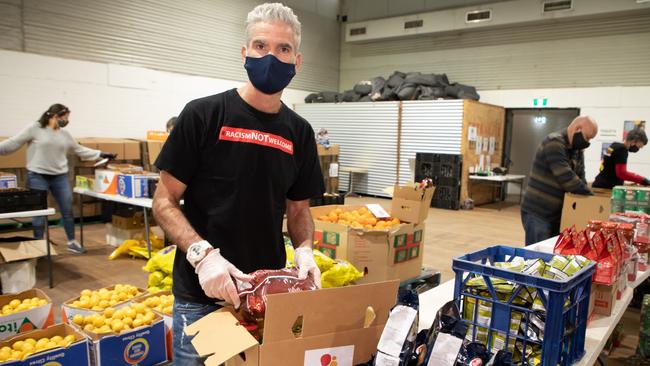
{"x":540,"y":102}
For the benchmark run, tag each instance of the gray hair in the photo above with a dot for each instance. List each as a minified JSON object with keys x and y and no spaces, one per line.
{"x":273,"y":12}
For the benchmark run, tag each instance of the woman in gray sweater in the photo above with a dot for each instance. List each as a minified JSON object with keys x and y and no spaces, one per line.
{"x":47,"y":164}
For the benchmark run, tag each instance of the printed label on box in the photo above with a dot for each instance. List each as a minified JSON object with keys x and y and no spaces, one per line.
{"x":36,"y":318}
{"x":336,"y":356}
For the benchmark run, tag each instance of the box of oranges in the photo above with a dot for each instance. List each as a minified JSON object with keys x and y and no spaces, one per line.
{"x":25,"y":311}
{"x":130,"y":335}
{"x":57,"y":345}
{"x":162,"y":303}
{"x":92,"y":302}
{"x":384,"y":248}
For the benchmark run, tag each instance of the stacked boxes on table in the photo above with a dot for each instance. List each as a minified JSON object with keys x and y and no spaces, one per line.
{"x":388,"y":253}
{"x":533,"y":304}
{"x":631,"y":198}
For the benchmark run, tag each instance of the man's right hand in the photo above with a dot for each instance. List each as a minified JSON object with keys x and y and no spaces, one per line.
{"x":215,"y":276}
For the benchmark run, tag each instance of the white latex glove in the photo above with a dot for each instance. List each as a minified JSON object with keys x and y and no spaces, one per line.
{"x":215,"y":277}
{"x":307,"y":265}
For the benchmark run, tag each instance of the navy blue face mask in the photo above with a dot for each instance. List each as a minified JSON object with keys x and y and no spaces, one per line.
{"x":268,"y":74}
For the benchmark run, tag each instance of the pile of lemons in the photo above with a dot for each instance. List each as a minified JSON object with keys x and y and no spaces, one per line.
{"x":162,"y":304}
{"x":116,"y":321}
{"x":20,"y":350}
{"x":359,"y":219}
{"x":16,"y":306}
{"x":105,"y":298}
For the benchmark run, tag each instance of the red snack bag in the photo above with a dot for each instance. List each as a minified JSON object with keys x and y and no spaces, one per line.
{"x":564,"y":242}
{"x":596,"y":245}
{"x":268,"y":282}
{"x":607,"y":266}
{"x":582,"y":243}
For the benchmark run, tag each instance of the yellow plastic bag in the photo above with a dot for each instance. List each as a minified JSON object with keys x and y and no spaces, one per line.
{"x":155,"y":278}
{"x":162,"y":261}
{"x":123,"y":248}
{"x":323,"y":262}
{"x":291,"y":256}
{"x":140,"y":251}
{"x":340,"y":274}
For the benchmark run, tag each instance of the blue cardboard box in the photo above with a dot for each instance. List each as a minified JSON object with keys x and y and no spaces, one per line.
{"x":144,"y":346}
{"x":75,"y":354}
{"x":8,"y":180}
{"x":134,"y":185}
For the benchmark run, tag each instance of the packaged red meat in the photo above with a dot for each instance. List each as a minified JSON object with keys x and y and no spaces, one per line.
{"x":267,"y":282}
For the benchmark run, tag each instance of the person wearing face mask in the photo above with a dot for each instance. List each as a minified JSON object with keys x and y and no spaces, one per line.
{"x":47,"y":164}
{"x":558,"y":168}
{"x":240,"y":159}
{"x":613,"y":168}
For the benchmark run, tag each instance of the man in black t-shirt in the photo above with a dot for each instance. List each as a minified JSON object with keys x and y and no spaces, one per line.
{"x":240,"y":160}
{"x":613,"y":168}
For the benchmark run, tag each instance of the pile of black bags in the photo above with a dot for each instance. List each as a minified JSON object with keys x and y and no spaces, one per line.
{"x":399,"y":86}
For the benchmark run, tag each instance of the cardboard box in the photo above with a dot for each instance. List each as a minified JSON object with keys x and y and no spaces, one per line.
{"x":578,"y":209}
{"x":411,"y":204}
{"x":604,"y":298}
{"x":106,"y":181}
{"x":153,"y":149}
{"x":157,"y":135}
{"x":36,"y":318}
{"x":168,"y":320}
{"x":332,"y":150}
{"x":76,"y":354}
{"x":16,"y":159}
{"x":124,"y":148}
{"x":344,"y":322}
{"x":68,"y":311}
{"x":18,"y":248}
{"x":381,"y":254}
{"x":116,"y":236}
{"x":134,"y":185}
{"x":142,"y":346}
{"x":127,"y":223}
{"x":8,"y":180}
{"x":85,"y":182}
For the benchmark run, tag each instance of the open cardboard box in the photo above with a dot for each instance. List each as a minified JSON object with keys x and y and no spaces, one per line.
{"x":167,"y":319}
{"x":68,"y":311}
{"x":39,"y":317}
{"x":22,"y":249}
{"x":411,"y":203}
{"x":75,"y":354}
{"x":579,"y":209}
{"x":344,"y":322}
{"x":382,"y":255}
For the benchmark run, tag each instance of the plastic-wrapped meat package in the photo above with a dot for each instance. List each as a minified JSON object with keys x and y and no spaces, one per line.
{"x":267,"y":282}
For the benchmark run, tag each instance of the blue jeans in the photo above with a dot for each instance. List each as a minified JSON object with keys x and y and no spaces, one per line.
{"x":60,"y":188}
{"x":537,"y":228}
{"x":186,"y":313}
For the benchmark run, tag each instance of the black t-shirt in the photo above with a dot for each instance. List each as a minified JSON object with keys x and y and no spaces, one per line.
{"x":616,"y":154}
{"x":239,"y":165}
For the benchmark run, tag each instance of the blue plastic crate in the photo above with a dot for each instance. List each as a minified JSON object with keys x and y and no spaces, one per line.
{"x":566,"y":304}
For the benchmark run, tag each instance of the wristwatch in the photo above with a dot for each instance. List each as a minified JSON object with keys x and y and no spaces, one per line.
{"x":198,"y":251}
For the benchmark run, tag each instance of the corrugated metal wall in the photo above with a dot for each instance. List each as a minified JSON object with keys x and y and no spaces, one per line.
{"x":429,"y":126}
{"x":367,"y":134}
{"x":581,"y":53}
{"x":197,"y":37}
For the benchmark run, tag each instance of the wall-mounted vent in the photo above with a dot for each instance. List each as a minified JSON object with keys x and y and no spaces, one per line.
{"x":413,"y":24}
{"x":357,"y":31}
{"x":559,"y":5}
{"x":478,"y":16}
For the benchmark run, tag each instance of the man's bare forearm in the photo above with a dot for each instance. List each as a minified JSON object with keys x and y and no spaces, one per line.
{"x":300,"y":225}
{"x":169,"y":216}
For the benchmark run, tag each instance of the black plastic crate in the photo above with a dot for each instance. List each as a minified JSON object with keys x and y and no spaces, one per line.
{"x":439,"y":158}
{"x":21,"y":199}
{"x":446,"y":182}
{"x":447,"y":193}
{"x":437,"y":166}
{"x":446,"y":204}
{"x":326,"y":200}
{"x":151,"y":185}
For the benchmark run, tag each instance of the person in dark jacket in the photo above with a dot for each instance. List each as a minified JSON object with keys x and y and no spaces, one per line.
{"x":558,"y":168}
{"x":613,"y":168}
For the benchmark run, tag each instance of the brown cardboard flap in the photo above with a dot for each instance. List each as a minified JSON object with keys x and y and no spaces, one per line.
{"x":220,"y":335}
{"x":22,"y":250}
{"x":328,"y":310}
{"x":332,"y":150}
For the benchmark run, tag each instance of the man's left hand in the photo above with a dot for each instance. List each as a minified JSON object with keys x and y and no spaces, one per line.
{"x":307,"y":265}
